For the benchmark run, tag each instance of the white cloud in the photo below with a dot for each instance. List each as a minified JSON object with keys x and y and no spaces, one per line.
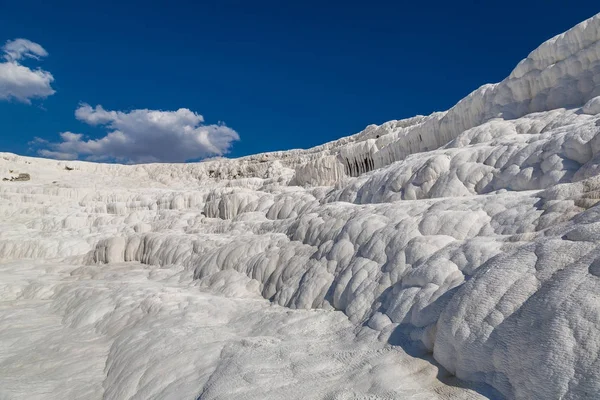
{"x":18,"y":81}
{"x":144,"y":136}
{"x":57,"y":155}
{"x":18,"y":49}
{"x":23,"y":84}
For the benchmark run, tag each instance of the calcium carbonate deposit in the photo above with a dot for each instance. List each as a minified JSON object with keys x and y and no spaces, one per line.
{"x":455,"y":255}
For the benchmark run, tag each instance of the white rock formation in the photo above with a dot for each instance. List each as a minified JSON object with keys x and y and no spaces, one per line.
{"x":469,"y":237}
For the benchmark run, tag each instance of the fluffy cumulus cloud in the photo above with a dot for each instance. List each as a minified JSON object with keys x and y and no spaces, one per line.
{"x":141,"y":136}
{"x":19,"y":82}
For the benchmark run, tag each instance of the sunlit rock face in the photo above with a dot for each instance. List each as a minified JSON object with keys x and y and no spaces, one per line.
{"x":470,"y":237}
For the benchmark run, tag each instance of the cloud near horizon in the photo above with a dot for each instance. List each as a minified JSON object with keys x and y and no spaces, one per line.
{"x":19,"y":82}
{"x":142,"y":136}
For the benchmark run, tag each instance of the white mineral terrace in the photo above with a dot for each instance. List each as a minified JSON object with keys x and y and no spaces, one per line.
{"x":455,"y":255}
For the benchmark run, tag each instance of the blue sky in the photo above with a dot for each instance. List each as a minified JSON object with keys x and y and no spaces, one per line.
{"x":279,"y":74}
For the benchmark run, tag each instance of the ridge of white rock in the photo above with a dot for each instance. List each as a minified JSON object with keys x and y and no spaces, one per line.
{"x":471,"y":236}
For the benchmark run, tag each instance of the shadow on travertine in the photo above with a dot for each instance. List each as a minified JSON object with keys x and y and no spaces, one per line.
{"x":417,"y":349}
